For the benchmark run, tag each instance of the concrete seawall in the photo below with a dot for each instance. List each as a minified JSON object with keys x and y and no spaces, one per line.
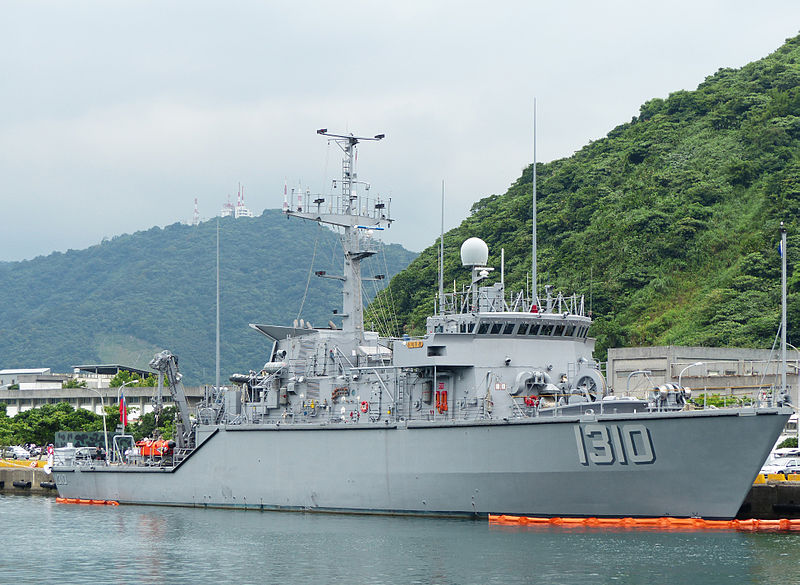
{"x":771,"y":501}
{"x":31,"y":478}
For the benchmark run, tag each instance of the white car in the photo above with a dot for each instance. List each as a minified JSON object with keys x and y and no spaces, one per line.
{"x":16,"y":452}
{"x":784,"y":452}
{"x":785,"y":465}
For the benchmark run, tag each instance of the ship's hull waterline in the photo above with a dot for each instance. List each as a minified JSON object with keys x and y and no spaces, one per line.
{"x":681,"y":464}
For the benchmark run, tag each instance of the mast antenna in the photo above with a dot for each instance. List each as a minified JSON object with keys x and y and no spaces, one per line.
{"x":441,"y":259}
{"x":217,"y":337}
{"x":534,"y":275}
{"x":358,"y":217}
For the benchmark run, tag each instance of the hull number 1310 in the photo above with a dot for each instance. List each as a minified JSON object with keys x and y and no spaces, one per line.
{"x":609,"y":444}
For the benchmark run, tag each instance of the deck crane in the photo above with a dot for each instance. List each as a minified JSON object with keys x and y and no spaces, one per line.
{"x":166,"y":364}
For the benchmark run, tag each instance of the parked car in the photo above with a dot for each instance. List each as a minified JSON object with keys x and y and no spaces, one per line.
{"x":783,"y":452}
{"x":16,"y":452}
{"x":785,"y":465}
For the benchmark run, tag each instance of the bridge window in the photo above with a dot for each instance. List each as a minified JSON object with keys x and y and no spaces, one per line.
{"x":534,"y":330}
{"x":523,"y":328}
{"x":559,"y":331}
{"x":483,"y":328}
{"x":496,"y":328}
{"x":546,"y":330}
{"x":509,"y":328}
{"x":570,"y":330}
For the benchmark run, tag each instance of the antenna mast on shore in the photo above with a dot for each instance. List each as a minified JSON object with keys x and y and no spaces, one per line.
{"x":783,"y":309}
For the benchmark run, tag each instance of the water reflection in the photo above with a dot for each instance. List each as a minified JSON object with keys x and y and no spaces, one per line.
{"x":49,"y":542}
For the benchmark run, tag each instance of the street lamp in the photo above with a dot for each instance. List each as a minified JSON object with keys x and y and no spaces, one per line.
{"x":680,"y":375}
{"x":105,"y":430}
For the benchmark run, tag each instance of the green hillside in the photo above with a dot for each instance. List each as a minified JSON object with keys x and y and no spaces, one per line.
{"x":669,"y":223}
{"x":120,"y":301}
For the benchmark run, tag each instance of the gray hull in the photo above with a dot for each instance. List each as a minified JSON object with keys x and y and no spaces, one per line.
{"x":683,"y":464}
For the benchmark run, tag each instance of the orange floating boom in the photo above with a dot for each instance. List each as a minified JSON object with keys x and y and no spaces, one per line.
{"x":666,"y":523}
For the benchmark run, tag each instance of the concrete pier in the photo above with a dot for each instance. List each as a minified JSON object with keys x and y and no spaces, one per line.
{"x":22,"y":475}
{"x":772,"y":501}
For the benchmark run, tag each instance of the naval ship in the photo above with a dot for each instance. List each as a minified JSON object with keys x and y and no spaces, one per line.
{"x":499,"y":408}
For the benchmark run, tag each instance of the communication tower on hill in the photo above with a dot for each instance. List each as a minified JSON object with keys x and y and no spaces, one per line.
{"x":227,"y":208}
{"x":238,"y":210}
{"x":241,"y":210}
{"x":196,"y":214}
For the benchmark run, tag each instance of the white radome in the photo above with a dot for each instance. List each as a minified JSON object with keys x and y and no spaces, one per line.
{"x":474,"y":252}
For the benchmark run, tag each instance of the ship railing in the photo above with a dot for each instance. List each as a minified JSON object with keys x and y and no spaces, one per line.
{"x":721,"y":395}
{"x":121,"y":445}
{"x":341,"y":359}
{"x":486,"y":301}
{"x":764,"y":396}
{"x":374,"y":208}
{"x":560,"y":304}
{"x":181,"y":454}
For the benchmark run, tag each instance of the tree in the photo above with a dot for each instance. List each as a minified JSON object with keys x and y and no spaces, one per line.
{"x":124,"y":376}
{"x":145,"y":425}
{"x":39,"y":425}
{"x":73,"y":383}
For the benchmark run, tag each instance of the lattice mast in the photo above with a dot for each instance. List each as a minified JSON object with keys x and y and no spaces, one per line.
{"x":357,"y":216}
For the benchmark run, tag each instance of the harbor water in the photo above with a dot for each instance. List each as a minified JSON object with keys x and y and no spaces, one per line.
{"x":46,"y":542}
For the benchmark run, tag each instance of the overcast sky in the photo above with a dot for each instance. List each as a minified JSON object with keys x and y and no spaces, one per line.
{"x":115,"y":115}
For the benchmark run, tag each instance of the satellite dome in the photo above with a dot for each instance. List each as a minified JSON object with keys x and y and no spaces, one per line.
{"x":474,"y":252}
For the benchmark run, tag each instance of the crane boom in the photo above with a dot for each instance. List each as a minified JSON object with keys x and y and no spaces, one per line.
{"x":167,"y":364}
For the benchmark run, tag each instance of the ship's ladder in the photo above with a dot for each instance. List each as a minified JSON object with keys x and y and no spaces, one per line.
{"x":399,"y":385}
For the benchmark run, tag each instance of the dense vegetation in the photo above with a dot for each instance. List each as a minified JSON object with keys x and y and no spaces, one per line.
{"x":125,"y":299}
{"x":668,"y":225}
{"x":39,"y":425}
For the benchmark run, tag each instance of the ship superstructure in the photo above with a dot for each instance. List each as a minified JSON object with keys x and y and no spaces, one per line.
{"x":498,"y":408}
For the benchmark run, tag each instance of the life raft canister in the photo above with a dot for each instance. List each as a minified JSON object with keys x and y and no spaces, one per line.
{"x":364,"y":406}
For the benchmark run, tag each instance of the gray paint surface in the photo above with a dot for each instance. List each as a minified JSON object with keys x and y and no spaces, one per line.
{"x":534,"y":469}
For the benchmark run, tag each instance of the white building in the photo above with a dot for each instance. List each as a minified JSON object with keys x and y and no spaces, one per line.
{"x":38,"y":386}
{"x":29,"y":378}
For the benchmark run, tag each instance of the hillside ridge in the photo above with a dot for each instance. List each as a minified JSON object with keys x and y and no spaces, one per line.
{"x":123,"y":299}
{"x":668,"y":225}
